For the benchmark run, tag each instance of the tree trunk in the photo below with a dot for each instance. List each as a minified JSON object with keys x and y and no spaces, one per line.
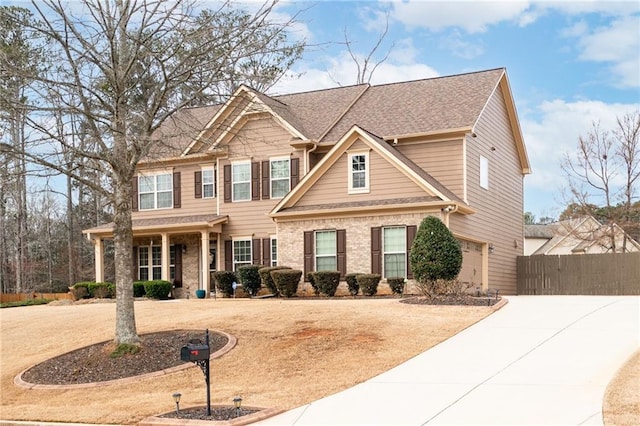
{"x":123,"y":244}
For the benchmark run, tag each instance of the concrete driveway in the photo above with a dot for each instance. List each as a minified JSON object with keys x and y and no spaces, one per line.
{"x":540,"y":360}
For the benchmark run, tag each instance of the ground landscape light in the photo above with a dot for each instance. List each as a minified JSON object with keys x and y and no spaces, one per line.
{"x":176,"y":398}
{"x":237,"y":401}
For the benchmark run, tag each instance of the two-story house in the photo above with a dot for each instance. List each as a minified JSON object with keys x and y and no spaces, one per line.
{"x":335,"y":179}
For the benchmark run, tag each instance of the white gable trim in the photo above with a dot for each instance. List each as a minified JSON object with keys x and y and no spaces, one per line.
{"x":246,"y":111}
{"x":332,"y":156}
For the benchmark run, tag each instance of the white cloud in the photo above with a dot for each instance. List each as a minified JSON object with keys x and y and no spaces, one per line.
{"x":458,"y":46}
{"x":342,"y":71}
{"x":619,"y":44}
{"x":555,"y":131}
{"x":473,"y":17}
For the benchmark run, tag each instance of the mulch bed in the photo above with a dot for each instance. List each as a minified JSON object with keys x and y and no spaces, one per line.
{"x":158,"y":351}
{"x":217,"y":413}
{"x":464,"y":300}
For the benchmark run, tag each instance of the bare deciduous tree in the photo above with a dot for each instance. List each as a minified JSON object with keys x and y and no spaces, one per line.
{"x":606,"y":168}
{"x":123,"y":67}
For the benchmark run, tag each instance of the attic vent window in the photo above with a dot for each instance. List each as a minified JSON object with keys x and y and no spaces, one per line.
{"x":484,"y":172}
{"x":358,"y":173}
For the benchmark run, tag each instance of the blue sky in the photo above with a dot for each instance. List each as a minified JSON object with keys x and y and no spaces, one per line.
{"x":569,"y":63}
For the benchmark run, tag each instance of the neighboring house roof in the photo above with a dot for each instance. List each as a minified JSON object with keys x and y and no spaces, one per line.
{"x":579,"y":235}
{"x":436,"y":194}
{"x":163,"y":224}
{"x":396,"y":110}
{"x":539,"y":231}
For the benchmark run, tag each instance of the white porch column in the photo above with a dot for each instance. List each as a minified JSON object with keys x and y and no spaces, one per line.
{"x":204,"y":268}
{"x":98,"y":249}
{"x":165,"y":257}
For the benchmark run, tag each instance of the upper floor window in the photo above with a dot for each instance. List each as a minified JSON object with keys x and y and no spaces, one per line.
{"x":484,"y":172}
{"x":208,"y":187}
{"x":241,"y":253}
{"x":394,"y":246}
{"x":358,"y":172}
{"x":326,"y":256}
{"x":241,"y":181}
{"x":280,"y":177}
{"x":155,"y":191}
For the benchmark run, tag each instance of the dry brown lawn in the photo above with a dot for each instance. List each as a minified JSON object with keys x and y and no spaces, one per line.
{"x":289,"y":352}
{"x":622,"y":398}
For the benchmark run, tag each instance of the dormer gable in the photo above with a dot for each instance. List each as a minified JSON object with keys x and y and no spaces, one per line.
{"x":429,"y":190}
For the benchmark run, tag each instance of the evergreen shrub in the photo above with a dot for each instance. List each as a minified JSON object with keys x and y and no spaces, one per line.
{"x":396,"y":284}
{"x":224,"y":281}
{"x":250,"y":278}
{"x":368,"y":283}
{"x":157,"y":289}
{"x":286,"y":281}
{"x":267,"y":280}
{"x":327,"y":282}
{"x":138,"y":289}
{"x":436,"y":256}
{"x":352,"y":283}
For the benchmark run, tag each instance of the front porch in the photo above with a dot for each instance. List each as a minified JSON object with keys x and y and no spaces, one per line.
{"x":182,"y":250}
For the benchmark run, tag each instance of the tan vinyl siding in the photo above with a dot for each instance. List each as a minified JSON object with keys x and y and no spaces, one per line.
{"x":189,"y":204}
{"x":443,"y":160}
{"x":385,"y":181}
{"x":499,"y":209}
{"x":260,"y":139}
{"x":257,"y":140}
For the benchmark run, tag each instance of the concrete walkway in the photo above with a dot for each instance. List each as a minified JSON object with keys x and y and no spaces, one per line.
{"x":540,"y":360}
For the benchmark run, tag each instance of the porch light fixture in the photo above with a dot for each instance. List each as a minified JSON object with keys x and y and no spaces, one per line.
{"x":184,"y":249}
{"x":237,"y":401}
{"x":176,"y":398}
{"x":491,"y":248}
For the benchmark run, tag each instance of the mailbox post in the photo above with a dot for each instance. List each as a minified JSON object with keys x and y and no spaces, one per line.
{"x":198,"y":353}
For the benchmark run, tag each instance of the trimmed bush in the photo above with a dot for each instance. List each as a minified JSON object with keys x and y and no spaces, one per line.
{"x":396,"y":285}
{"x":368,"y":283}
{"x":100,"y":290}
{"x":157,"y":289}
{"x":327,"y":282}
{"x":138,"y":289}
{"x":80,"y":290}
{"x":250,"y":278}
{"x":286,"y":281}
{"x":267,"y":281}
{"x":312,"y":280}
{"x":224,"y":281}
{"x":352,"y":283}
{"x":435,"y":256}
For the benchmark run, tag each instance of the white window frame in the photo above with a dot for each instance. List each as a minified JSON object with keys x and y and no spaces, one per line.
{"x":272,"y":179}
{"x":333,"y":255}
{"x":153,"y":268}
{"x":358,"y":190}
{"x":236,"y":262}
{"x":385,"y":253}
{"x":484,"y":172}
{"x":274,"y":251}
{"x":234,"y":183}
{"x":206,"y":183}
{"x":154,"y":177}
{"x":172,"y":262}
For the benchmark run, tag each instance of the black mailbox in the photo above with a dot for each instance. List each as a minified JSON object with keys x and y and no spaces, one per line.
{"x":194,"y":352}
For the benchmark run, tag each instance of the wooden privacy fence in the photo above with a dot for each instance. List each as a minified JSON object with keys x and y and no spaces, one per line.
{"x":584,"y":274}
{"x":19,"y":297}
